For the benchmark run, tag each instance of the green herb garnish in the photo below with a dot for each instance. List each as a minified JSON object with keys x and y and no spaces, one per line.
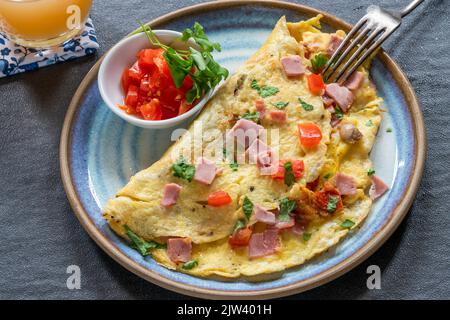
{"x":239,"y":225}
{"x":286,"y":207}
{"x":369,"y":123}
{"x":234,"y":166}
{"x":280,"y":105}
{"x":204,"y":71}
{"x":306,"y":106}
{"x":253,"y":116}
{"x":140,"y":244}
{"x":289,"y":177}
{"x":264,"y":91}
{"x":389,"y":130}
{"x":190,"y":265}
{"x":347,"y":224}
{"x":332,"y":203}
{"x":306,"y":236}
{"x":183,"y":170}
{"x":338,"y":113}
{"x":318,"y":62}
{"x":247,"y":206}
{"x":327,"y":176}
{"x":371,"y":172}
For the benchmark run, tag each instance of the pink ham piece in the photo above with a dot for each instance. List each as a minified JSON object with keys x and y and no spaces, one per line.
{"x":246,"y":131}
{"x":255,"y":149}
{"x":263,"y":215}
{"x":345,"y":184}
{"x":267,"y":163}
{"x":179,"y":249}
{"x":341,"y":95}
{"x":205,"y":171}
{"x":354,"y":81}
{"x":328,"y":102}
{"x":278,"y":116}
{"x":261,"y":108}
{"x":335,"y":42}
{"x":281,"y":225}
{"x":170,"y":194}
{"x":378,"y":187}
{"x":293,"y":66}
{"x":263,"y":244}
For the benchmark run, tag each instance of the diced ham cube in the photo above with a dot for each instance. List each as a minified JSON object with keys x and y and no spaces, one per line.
{"x":246,"y":132}
{"x":263,"y":215}
{"x":293,"y":66}
{"x":335,"y":42}
{"x":281,"y":225}
{"x":255,"y":149}
{"x":345,"y":184}
{"x":341,"y":95}
{"x":261,"y":108}
{"x":205,"y":171}
{"x":179,"y":249}
{"x":278,"y":116}
{"x":263,"y":244}
{"x":378,"y":187}
{"x":170,"y":194}
{"x":354,"y":81}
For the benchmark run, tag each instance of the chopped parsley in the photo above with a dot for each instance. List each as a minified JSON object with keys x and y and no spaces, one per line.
{"x":239,"y":225}
{"x":264,"y":91}
{"x":306,"y":236}
{"x":234,"y":166}
{"x":389,"y":130}
{"x":289,"y":177}
{"x":369,"y":123}
{"x":371,"y":172}
{"x":247,"y":207}
{"x":280,"y":105}
{"x":253,"y":116}
{"x":332,"y":204}
{"x":286,"y":207}
{"x":347,"y":224}
{"x":190,"y":265}
{"x":140,"y":244}
{"x":338,"y":113}
{"x":318,"y":62}
{"x":327,"y":176}
{"x":183,"y":170}
{"x":306,"y":106}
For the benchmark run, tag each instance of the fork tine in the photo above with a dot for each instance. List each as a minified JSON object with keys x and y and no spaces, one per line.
{"x":350,"y":47}
{"x":369,"y":51}
{"x":358,"y":26}
{"x":377,"y":32}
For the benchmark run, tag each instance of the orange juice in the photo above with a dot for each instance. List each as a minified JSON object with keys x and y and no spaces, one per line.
{"x":43,"y":23}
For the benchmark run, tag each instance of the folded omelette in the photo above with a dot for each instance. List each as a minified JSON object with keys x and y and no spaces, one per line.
{"x":226,"y":219}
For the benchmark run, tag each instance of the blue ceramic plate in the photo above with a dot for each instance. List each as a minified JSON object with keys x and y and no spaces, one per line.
{"x":100,"y":152}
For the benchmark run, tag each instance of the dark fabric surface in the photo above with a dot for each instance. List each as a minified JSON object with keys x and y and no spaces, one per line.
{"x":40,"y":236}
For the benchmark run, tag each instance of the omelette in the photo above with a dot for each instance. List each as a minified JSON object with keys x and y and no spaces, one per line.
{"x":273,"y":199}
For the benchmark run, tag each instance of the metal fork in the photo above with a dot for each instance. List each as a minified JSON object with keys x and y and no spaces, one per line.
{"x":367,"y":36}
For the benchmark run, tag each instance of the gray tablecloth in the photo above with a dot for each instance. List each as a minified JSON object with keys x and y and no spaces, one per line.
{"x":40,"y":236}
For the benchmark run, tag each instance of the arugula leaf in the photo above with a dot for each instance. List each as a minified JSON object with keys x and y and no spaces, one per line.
{"x":318,"y":62}
{"x":239,"y":225}
{"x":371,"y":172}
{"x":306,"y":236}
{"x":306,"y":106}
{"x":338,"y":113}
{"x":332,"y":203}
{"x":289,"y":177}
{"x":190,"y":265}
{"x":280,"y":105}
{"x":347,"y":224}
{"x":264,"y":91}
{"x":183,"y":170}
{"x":286,"y":207}
{"x":140,"y":244}
{"x":247,"y":206}
{"x":234,"y":166}
{"x":253,"y":116}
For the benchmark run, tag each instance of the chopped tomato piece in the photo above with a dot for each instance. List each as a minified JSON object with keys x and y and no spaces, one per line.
{"x":125,"y":80}
{"x":310,"y":134}
{"x":132,"y":96}
{"x":144,"y":86}
{"x":146,"y":58}
{"x":325,"y":195}
{"x":187,"y":83}
{"x":135,"y":74}
{"x":240,"y":238}
{"x":184,"y":107}
{"x":298,"y":167}
{"x":219,"y":198}
{"x":151,"y":110}
{"x":315,"y":84}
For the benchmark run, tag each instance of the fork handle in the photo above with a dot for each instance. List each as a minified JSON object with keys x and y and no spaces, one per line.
{"x":410,"y":8}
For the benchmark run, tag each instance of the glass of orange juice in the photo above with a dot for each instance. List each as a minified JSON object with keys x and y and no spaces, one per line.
{"x":43,"y":23}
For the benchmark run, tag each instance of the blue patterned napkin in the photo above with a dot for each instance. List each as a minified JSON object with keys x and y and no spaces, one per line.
{"x":15,"y":59}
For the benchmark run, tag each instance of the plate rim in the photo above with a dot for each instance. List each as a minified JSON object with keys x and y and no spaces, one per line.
{"x":374,"y":243}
